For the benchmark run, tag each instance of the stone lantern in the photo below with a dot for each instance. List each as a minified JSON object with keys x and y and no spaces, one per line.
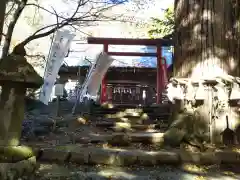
{"x":16,"y":75}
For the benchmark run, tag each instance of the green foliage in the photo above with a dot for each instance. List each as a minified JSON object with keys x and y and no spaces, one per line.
{"x":161,"y":27}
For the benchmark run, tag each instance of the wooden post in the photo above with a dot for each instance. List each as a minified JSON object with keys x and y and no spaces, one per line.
{"x":103,"y":96}
{"x":165,"y":72}
{"x":103,"y":91}
{"x":159,"y":75}
{"x":59,"y":92}
{"x":58,"y":106}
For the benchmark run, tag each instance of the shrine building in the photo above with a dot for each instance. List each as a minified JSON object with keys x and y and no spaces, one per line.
{"x":128,"y":85}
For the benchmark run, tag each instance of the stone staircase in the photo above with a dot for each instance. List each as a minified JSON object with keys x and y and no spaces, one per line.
{"x":133,"y":119}
{"x":121,"y":136}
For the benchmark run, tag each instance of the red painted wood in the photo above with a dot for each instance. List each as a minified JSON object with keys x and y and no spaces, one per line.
{"x":132,"y":54}
{"x":159,"y":75}
{"x":105,"y":48}
{"x":103,"y":96}
{"x":128,"y":41}
{"x":165,"y":72}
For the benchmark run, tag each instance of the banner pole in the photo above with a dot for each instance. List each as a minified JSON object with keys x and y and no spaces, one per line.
{"x":50,"y":49}
{"x":82,"y":89}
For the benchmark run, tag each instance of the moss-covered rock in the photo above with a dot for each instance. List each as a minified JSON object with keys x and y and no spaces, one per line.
{"x":188,"y":128}
{"x":15,"y":153}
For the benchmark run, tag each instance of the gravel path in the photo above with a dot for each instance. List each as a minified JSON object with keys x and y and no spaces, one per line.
{"x":55,"y":172}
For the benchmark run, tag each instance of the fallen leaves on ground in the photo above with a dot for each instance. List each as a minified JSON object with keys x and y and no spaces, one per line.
{"x":194,"y":168}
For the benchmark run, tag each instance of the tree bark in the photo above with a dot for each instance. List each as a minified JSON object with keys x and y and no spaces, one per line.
{"x":12,"y":113}
{"x":207,"y":37}
{"x":2,"y":16}
{"x":11,"y":26}
{"x":207,"y":43}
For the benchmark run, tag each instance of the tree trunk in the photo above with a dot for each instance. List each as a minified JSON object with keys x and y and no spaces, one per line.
{"x":207,"y":43}
{"x":2,"y":16}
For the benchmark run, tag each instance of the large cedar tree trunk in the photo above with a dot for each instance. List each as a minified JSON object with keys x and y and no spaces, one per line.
{"x":207,"y":42}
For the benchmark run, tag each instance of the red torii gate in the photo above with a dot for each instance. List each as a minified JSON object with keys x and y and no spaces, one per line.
{"x":158,"y":43}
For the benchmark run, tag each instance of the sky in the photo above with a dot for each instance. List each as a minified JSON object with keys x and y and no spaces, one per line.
{"x":114,"y":29}
{"x":81,"y":50}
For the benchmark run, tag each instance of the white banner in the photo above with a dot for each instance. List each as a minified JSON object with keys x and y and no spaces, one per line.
{"x":93,"y":81}
{"x":56,"y":56}
{"x":103,"y":62}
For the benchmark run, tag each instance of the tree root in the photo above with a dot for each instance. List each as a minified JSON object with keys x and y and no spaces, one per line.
{"x":175,"y":137}
{"x":14,"y":154}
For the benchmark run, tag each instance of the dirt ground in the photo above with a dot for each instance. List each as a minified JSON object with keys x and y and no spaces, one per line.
{"x":186,"y":172}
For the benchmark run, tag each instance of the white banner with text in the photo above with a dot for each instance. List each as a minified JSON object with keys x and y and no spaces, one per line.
{"x":96,"y":73}
{"x":59,"y":49}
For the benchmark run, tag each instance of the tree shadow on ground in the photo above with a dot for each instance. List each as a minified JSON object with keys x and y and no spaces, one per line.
{"x":98,"y":172}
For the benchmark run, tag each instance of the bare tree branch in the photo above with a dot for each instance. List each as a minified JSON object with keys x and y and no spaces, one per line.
{"x":57,"y":26}
{"x":11,"y":26}
{"x":36,"y":56}
{"x":10,"y":10}
{"x":37,"y":36}
{"x":77,"y":18}
{"x":80,"y":4}
{"x":56,"y":14}
{"x":44,"y":9}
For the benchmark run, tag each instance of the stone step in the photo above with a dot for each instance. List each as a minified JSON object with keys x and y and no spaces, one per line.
{"x":162,"y":115}
{"x":113,"y":122}
{"x":96,"y":156}
{"x":127,"y":127}
{"x":159,"y":106}
{"x":133,"y":110}
{"x":144,"y":110}
{"x":124,"y":157}
{"x":121,"y":139}
{"x":132,"y":121}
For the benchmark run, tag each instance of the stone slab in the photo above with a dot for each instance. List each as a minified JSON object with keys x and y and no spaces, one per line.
{"x":102,"y":156}
{"x":157,"y":158}
{"x":199,"y":158}
{"x":228,"y":157}
{"x":151,"y":138}
{"x":52,"y":154}
{"x":80,"y":157}
{"x":165,"y":157}
{"x":124,"y":157}
{"x":141,"y":137}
